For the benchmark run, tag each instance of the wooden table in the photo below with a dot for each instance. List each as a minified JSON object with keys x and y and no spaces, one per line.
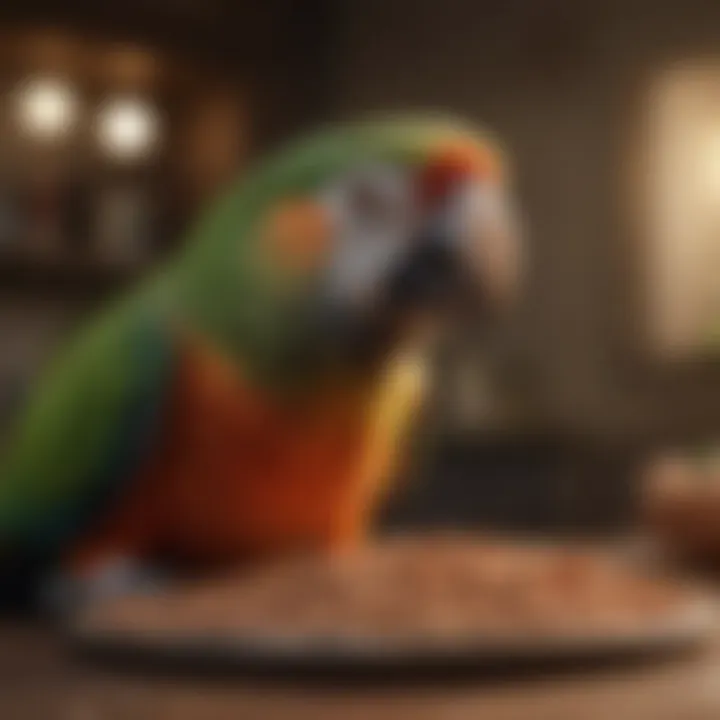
{"x":39,"y":681}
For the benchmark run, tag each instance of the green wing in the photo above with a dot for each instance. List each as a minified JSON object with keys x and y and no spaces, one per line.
{"x":85,"y":428}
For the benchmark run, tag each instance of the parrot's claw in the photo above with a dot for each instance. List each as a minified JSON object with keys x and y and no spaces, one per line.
{"x":66,"y":594}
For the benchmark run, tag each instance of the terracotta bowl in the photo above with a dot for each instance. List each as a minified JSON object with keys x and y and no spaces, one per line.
{"x":681,"y":507}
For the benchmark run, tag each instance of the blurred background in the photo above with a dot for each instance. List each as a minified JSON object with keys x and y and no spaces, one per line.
{"x":118,"y":121}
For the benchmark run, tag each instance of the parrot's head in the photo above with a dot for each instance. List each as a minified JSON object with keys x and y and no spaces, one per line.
{"x":367,"y":235}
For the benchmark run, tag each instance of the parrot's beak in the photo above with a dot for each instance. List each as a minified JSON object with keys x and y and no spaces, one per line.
{"x":499,"y":261}
{"x":456,"y":266}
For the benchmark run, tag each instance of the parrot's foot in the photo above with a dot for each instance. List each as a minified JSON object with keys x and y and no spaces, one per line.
{"x":65,"y":594}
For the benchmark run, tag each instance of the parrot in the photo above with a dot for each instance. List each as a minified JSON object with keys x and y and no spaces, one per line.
{"x":255,"y":395}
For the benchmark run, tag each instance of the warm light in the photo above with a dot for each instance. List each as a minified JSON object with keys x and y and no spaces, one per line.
{"x":710,"y":158}
{"x":128,"y":128}
{"x":46,"y":108}
{"x":681,"y":174}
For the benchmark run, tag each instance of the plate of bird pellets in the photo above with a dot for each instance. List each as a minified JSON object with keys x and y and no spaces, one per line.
{"x":435,"y":602}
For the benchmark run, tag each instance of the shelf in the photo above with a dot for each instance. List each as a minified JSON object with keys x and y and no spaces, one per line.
{"x":20,"y":274}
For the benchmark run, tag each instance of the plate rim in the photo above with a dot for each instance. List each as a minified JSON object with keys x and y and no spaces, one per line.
{"x":688,"y":626}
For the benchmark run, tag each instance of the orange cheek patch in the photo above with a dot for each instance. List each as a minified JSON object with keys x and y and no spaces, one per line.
{"x":298,"y":235}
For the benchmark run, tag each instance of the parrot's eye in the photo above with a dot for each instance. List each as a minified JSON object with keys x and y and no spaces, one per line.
{"x":370,"y":204}
{"x":372,"y":201}
{"x":371,"y":210}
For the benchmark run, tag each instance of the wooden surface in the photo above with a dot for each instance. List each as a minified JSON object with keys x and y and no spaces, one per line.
{"x":39,"y":680}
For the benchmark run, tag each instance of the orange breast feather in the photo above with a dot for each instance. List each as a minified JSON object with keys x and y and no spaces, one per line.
{"x":238,"y":475}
